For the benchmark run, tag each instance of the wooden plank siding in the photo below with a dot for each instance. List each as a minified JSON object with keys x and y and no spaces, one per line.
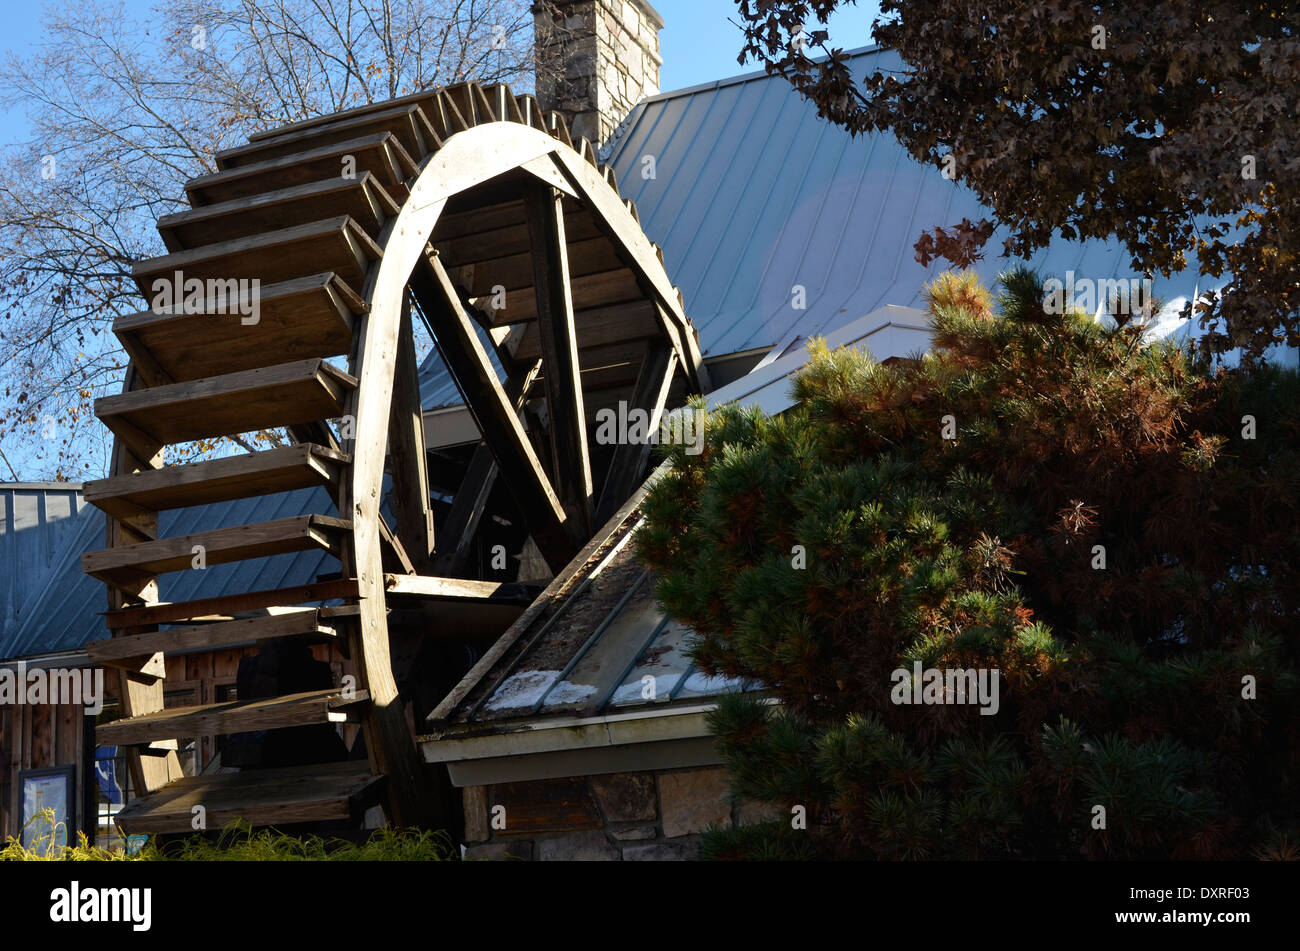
{"x":36,"y":736}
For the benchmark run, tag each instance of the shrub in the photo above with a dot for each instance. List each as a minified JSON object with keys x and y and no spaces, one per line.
{"x":1107,"y":523}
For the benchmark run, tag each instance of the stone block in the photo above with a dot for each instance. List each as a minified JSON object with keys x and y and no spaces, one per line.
{"x":634,"y":833}
{"x":625,"y":49}
{"x":579,"y":24}
{"x":692,"y":801}
{"x":579,"y":847}
{"x":500,"y":852}
{"x":634,"y":67}
{"x":579,"y":64}
{"x":626,"y":797}
{"x":631,"y":20}
{"x":661,"y":852}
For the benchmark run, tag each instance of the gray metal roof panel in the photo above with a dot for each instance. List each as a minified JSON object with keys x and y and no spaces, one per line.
{"x":754,"y":194}
{"x":603,"y":645}
{"x":36,"y":519}
{"x":65,"y":613}
{"x":437,"y":387}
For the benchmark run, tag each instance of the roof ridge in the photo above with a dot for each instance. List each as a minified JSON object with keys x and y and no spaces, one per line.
{"x":41,"y":486}
{"x":747,"y":77}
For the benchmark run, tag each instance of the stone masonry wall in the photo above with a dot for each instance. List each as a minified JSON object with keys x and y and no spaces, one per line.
{"x":596,"y":59}
{"x":643,"y":816}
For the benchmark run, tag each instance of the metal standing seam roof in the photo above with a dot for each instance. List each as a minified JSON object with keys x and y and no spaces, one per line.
{"x":36,"y":519}
{"x":64,"y":614}
{"x":607,"y":647}
{"x":750,"y":194}
{"x":886,"y":333}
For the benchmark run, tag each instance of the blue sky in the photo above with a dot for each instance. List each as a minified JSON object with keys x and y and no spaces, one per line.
{"x":699,"y":44}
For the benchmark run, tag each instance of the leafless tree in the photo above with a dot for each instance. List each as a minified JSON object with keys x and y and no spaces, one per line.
{"x":123,"y":112}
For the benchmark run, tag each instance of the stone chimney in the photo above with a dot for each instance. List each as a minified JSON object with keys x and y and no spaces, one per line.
{"x":596,"y":59}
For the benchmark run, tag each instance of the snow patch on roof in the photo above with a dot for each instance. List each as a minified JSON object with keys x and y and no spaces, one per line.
{"x":522,"y":689}
{"x":528,"y":687}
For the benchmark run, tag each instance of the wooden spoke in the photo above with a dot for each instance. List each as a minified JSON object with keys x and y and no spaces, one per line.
{"x":607,"y":207}
{"x":460,"y":347}
{"x":560,"y":353}
{"x":394,"y":553}
{"x":627,"y":468}
{"x":406,"y":453}
{"x":480,"y":478}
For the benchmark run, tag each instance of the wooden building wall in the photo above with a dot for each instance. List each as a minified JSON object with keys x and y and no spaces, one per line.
{"x":37,"y":736}
{"x":34,"y":736}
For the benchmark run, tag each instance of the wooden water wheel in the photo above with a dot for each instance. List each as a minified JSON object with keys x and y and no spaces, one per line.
{"x":469,"y":205}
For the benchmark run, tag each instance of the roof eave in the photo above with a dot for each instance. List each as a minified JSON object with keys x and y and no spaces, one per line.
{"x":656,"y":737}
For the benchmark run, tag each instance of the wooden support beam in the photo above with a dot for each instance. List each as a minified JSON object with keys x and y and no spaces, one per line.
{"x":630,"y":458}
{"x":497,"y":421}
{"x":406,"y":452}
{"x":472,"y":496}
{"x":226,"y":607}
{"x":460,"y":589}
{"x":457,"y":535}
{"x":140,"y":692}
{"x":234,"y":716}
{"x":568,"y":424}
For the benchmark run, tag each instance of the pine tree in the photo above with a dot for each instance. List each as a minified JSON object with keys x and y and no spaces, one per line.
{"x":1109,"y":524}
